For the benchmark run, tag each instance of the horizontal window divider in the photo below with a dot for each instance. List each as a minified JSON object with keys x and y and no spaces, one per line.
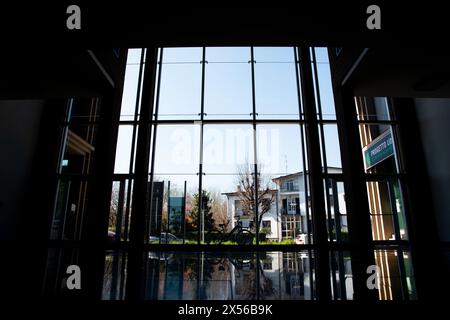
{"x":232,"y":121}
{"x":121,"y":176}
{"x":80,"y":123}
{"x":383,"y":176}
{"x":174,"y":174}
{"x":135,"y":63}
{"x":129,"y":122}
{"x":112,"y":177}
{"x":323,"y":121}
{"x":333,"y":175}
{"x":180,"y":62}
{"x":389,"y":244}
{"x":228,"y":62}
{"x":74,"y":176}
{"x":221,"y":173}
{"x":330,"y":246}
{"x":374,"y":122}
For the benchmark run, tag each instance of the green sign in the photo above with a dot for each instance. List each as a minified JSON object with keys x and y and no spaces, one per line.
{"x":176,"y":214}
{"x":379,"y":149}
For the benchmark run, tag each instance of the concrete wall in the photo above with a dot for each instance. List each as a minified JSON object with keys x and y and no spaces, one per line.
{"x":19,"y":127}
{"x":434,"y":121}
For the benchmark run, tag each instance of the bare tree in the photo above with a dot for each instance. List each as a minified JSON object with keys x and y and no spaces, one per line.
{"x":247,"y":185}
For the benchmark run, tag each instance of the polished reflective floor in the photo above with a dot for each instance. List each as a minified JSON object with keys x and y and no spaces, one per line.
{"x":210,"y":276}
{"x":253,"y":276}
{"x":272,"y":275}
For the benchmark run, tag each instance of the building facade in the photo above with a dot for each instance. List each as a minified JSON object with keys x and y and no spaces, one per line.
{"x":288,"y":217}
{"x":270,"y":224}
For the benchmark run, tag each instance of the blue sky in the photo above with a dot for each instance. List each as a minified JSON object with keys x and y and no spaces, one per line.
{"x":228,"y":95}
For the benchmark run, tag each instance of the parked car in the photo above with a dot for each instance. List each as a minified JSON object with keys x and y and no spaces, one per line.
{"x":111,"y":235}
{"x":300,"y":238}
{"x":165,"y":238}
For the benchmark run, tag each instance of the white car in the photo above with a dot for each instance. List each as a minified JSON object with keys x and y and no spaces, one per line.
{"x":165,"y":238}
{"x":300,"y":238}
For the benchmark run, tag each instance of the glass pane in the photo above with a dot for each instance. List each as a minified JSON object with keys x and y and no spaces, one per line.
{"x":409,"y":276}
{"x":274,"y":54}
{"x":321,"y":54}
{"x":332,"y":148}
{"x":383,"y":227}
{"x":173,"y":218}
{"x":177,"y":149}
{"x":82,"y":110}
{"x":227,"y":148}
{"x":78,"y":149}
{"x":130,"y":85}
{"x":372,"y":108}
{"x":70,"y":208}
{"x":325,"y":90}
{"x":387,"y":213}
{"x":228,"y":91}
{"x":280,"y":167}
{"x":279,"y":149}
{"x":378,"y":148}
{"x":394,"y":282}
{"x":134,"y":56}
{"x":123,"y":149}
{"x":228,"y":211}
{"x":397,"y":199}
{"x":336,"y":210}
{"x":181,"y":80}
{"x":119,"y":210}
{"x":176,"y":164}
{"x":276,"y":83}
{"x":182,"y":55}
{"x":341,"y":275}
{"x":115,"y":275}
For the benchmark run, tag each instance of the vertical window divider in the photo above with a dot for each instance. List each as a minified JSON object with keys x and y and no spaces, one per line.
{"x":62,"y":148}
{"x":305,"y":174}
{"x":390,"y":185}
{"x":255,"y":155}
{"x":317,"y":197}
{"x":324,"y":154}
{"x":154,"y":119}
{"x":200,"y":217}
{"x":133,"y":144}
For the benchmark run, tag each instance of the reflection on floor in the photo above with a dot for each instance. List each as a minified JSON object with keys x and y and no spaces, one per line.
{"x":180,"y":275}
{"x":208,"y":276}
{"x":252,"y":276}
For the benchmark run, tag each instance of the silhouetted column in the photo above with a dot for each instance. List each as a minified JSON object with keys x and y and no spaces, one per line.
{"x":315,"y":177}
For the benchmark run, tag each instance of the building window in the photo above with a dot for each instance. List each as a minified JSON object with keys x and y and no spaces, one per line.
{"x":248,"y":132}
{"x":249,"y":84}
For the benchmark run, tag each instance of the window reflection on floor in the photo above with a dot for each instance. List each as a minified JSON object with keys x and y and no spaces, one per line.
{"x":224,"y":276}
{"x":272,"y":275}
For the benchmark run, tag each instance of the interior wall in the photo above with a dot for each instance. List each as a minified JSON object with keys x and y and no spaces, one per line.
{"x":434,"y":121}
{"x":19,"y":127}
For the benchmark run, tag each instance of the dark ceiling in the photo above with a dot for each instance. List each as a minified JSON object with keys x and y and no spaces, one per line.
{"x":403,"y":72}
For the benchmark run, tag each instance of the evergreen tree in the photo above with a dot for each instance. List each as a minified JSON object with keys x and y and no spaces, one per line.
{"x":207,"y":212}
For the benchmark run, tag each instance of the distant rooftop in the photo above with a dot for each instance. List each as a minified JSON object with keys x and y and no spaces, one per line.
{"x":296,"y":174}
